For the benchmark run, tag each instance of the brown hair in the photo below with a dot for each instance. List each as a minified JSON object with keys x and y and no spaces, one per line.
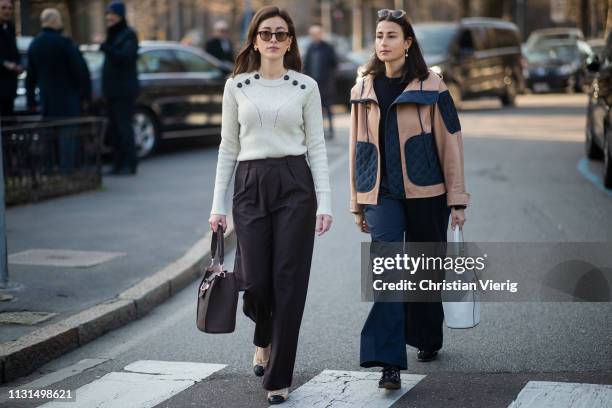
{"x":414,"y":66}
{"x":249,"y":60}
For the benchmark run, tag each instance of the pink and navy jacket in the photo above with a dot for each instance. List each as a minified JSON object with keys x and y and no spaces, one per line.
{"x":423,"y":134}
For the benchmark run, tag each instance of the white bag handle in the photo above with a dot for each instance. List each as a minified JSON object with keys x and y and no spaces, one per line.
{"x":458,"y":234}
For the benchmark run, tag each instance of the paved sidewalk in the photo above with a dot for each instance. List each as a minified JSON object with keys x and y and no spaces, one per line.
{"x":144,"y":224}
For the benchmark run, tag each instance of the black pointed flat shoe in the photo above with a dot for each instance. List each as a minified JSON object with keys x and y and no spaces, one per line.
{"x":259,"y":370}
{"x":259,"y":365}
{"x":276,"y":399}
{"x":425,"y":356}
{"x":278,"y":396}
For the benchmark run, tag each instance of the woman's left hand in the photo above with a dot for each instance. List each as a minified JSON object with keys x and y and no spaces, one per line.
{"x":324,"y":223}
{"x":457,"y":218}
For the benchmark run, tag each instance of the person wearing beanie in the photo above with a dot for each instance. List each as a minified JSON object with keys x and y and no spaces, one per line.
{"x":120,"y":87}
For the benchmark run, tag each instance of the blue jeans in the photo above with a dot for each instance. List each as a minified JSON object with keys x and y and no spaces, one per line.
{"x":392,"y":325}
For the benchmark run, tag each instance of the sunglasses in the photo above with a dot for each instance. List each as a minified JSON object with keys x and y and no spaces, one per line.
{"x":281,"y":36}
{"x":395,"y":14}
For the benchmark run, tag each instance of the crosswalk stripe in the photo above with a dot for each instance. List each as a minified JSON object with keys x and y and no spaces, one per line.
{"x":146,"y":384}
{"x":174,"y":370}
{"x":545,"y":394}
{"x":355,"y":389}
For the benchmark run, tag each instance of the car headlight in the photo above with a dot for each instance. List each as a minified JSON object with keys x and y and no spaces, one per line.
{"x":566,"y":69}
{"x":436,"y":69}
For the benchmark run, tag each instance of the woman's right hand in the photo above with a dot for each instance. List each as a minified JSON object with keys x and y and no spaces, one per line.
{"x":361,"y":222}
{"x":214,"y":221}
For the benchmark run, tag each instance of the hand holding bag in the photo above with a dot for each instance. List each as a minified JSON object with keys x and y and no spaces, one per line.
{"x":217,"y":292}
{"x":461,"y":308}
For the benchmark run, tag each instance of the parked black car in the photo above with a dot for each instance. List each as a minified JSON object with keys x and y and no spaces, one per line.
{"x":476,"y":56}
{"x":557,"y":65}
{"x":181,"y":92}
{"x":598,"y":142}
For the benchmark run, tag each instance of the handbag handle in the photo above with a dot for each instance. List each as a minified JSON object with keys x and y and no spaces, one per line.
{"x":457,"y":244}
{"x":458,"y":234}
{"x":217,"y":246}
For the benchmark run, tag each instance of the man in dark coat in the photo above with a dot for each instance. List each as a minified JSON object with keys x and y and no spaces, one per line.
{"x":320,"y":63}
{"x":220,"y":45}
{"x":120,"y":86}
{"x":54,"y":66}
{"x":9,"y":59}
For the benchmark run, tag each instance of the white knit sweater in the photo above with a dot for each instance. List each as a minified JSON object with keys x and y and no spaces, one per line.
{"x":263,"y":118}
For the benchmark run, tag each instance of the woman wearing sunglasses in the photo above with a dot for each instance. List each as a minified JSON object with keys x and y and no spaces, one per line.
{"x":272,"y":121}
{"x":406,"y":172}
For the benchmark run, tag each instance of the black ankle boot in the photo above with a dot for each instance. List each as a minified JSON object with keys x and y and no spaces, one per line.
{"x":425,"y":356}
{"x":390,"y":379}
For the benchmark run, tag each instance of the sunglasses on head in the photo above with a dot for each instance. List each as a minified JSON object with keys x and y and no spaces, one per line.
{"x":281,"y":36}
{"x":395,"y":14}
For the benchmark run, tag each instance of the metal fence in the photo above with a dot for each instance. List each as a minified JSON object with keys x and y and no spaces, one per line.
{"x":50,"y":158}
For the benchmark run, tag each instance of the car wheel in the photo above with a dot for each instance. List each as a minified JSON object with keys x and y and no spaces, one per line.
{"x":508,"y":99}
{"x":146,"y":132}
{"x":455,"y":93}
{"x":607,"y":168}
{"x":591,"y":149}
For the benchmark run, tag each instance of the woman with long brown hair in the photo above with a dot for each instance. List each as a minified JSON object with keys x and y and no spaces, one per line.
{"x":271,"y":124}
{"x":406,"y":179}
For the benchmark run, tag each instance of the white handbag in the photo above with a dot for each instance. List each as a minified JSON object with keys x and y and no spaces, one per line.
{"x":464,"y":311}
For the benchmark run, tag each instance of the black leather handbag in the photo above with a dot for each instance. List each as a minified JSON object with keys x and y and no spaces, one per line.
{"x":217,"y":293}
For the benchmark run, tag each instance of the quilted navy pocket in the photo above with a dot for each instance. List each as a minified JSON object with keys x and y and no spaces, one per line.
{"x":366,"y":166}
{"x":422,"y":161}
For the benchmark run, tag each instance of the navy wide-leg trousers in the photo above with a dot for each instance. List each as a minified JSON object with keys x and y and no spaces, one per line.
{"x":392,"y":325}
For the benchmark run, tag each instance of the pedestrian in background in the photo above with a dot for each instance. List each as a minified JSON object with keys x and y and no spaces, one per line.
{"x":9,"y":59}
{"x":55,"y":67}
{"x":402,"y":116}
{"x":320,"y":63}
{"x":220,"y":45}
{"x":120,"y":87}
{"x":271,"y":119}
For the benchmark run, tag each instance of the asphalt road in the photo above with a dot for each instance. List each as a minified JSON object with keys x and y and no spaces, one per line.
{"x":527,"y":185}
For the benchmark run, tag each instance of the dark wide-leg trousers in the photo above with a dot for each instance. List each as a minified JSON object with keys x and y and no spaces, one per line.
{"x":392,"y":325}
{"x":120,"y":112}
{"x":274,"y":211}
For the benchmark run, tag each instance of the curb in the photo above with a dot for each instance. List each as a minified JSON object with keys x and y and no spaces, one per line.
{"x":24,"y":355}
